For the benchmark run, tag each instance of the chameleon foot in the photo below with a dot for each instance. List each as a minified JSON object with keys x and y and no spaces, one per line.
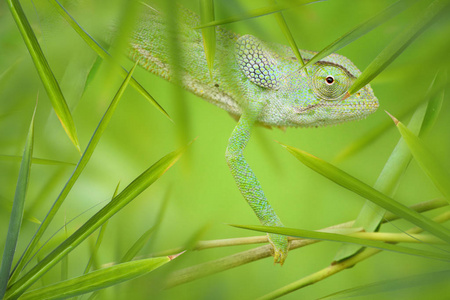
{"x":280,"y":248}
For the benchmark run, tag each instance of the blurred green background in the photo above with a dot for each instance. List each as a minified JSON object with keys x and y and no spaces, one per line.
{"x":203,"y":195}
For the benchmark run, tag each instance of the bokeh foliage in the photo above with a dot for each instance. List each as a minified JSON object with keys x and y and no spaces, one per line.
{"x":203,"y":197}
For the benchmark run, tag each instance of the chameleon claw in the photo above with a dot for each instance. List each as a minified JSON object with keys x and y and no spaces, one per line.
{"x":280,"y":246}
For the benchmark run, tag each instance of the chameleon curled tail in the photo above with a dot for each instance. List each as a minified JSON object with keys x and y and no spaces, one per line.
{"x":256,"y":82}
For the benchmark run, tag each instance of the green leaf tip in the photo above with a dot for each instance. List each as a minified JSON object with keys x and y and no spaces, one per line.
{"x":393,"y":118}
{"x":172,"y":257}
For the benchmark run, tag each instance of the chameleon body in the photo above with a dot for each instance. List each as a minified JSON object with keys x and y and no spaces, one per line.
{"x":257,"y":83}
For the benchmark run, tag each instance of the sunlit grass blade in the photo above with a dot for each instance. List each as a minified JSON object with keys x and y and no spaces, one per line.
{"x":99,"y":279}
{"x":398,"y":45}
{"x":142,"y":241}
{"x":287,"y":33}
{"x":338,"y":266}
{"x":15,"y":220}
{"x":45,"y":73}
{"x":99,"y":239}
{"x":34,"y":160}
{"x":362,"y":29}
{"x":434,"y":104}
{"x":392,"y":285}
{"x":136,"y":187}
{"x":353,"y":184}
{"x":65,"y":260}
{"x":431,"y":166}
{"x":91,"y":42}
{"x":209,"y":33}
{"x":371,"y":136}
{"x":259,"y":13}
{"x":370,"y":215}
{"x":325,"y":236}
{"x":76,"y":173}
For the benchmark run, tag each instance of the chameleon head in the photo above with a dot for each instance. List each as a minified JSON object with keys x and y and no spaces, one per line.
{"x":327,"y":101}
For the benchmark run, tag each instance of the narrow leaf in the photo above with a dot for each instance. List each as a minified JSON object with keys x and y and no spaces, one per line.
{"x":362,"y":29}
{"x":353,"y":184}
{"x":209,"y":33}
{"x":287,"y":33}
{"x":370,"y":215}
{"x":391,"y":285}
{"x":97,"y":280}
{"x":259,"y":13}
{"x":17,"y":212}
{"x":76,"y":173}
{"x":34,"y":160}
{"x":432,"y":167}
{"x":398,"y":45}
{"x":136,"y":187}
{"x":90,"y":41}
{"x":325,"y":236}
{"x":99,"y":239}
{"x":45,"y":73}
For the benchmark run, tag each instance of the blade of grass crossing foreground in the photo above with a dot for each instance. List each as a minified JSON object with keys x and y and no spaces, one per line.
{"x":371,"y":215}
{"x":34,"y":160}
{"x":435,"y":170}
{"x":308,"y":234}
{"x":426,"y":279}
{"x":97,"y":280}
{"x":353,"y":184}
{"x":209,"y":33}
{"x":16,"y":217}
{"x":362,"y":29}
{"x":287,"y":33}
{"x":99,"y":239}
{"x":398,"y":45}
{"x":141,"y":183}
{"x":259,"y":13}
{"x":45,"y":73}
{"x":91,"y":42}
{"x":76,"y":173}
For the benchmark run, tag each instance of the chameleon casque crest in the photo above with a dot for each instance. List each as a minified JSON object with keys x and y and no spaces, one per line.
{"x":255,"y":82}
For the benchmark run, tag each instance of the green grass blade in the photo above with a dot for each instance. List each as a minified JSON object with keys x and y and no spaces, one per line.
{"x":209,"y":33}
{"x":362,"y":29}
{"x":398,"y":45}
{"x":434,"y":104}
{"x":259,"y":13}
{"x":90,"y":41}
{"x":287,"y":33}
{"x":370,"y":215}
{"x":65,"y":260}
{"x":391,"y":285}
{"x":34,"y":160}
{"x":429,"y":164}
{"x":17,"y":212}
{"x":76,"y":173}
{"x":371,"y":136}
{"x":325,"y":236}
{"x":99,"y":279}
{"x":99,"y":238}
{"x":136,"y":187}
{"x":45,"y":73}
{"x":353,"y":184}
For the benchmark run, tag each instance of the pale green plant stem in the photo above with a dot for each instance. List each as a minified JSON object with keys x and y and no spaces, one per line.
{"x":248,"y":256}
{"x":340,"y":266}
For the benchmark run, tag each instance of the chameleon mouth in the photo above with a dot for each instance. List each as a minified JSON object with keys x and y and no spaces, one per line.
{"x":365,"y":106}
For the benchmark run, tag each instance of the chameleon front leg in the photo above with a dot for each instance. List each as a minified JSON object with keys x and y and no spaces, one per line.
{"x":249,"y":185}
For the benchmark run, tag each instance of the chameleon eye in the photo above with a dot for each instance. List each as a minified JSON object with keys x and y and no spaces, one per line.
{"x":330,"y":82}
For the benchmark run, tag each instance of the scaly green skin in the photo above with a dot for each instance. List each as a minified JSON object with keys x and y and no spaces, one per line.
{"x":257,"y":83}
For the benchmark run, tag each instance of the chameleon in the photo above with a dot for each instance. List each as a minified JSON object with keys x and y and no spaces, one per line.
{"x":256,"y":82}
